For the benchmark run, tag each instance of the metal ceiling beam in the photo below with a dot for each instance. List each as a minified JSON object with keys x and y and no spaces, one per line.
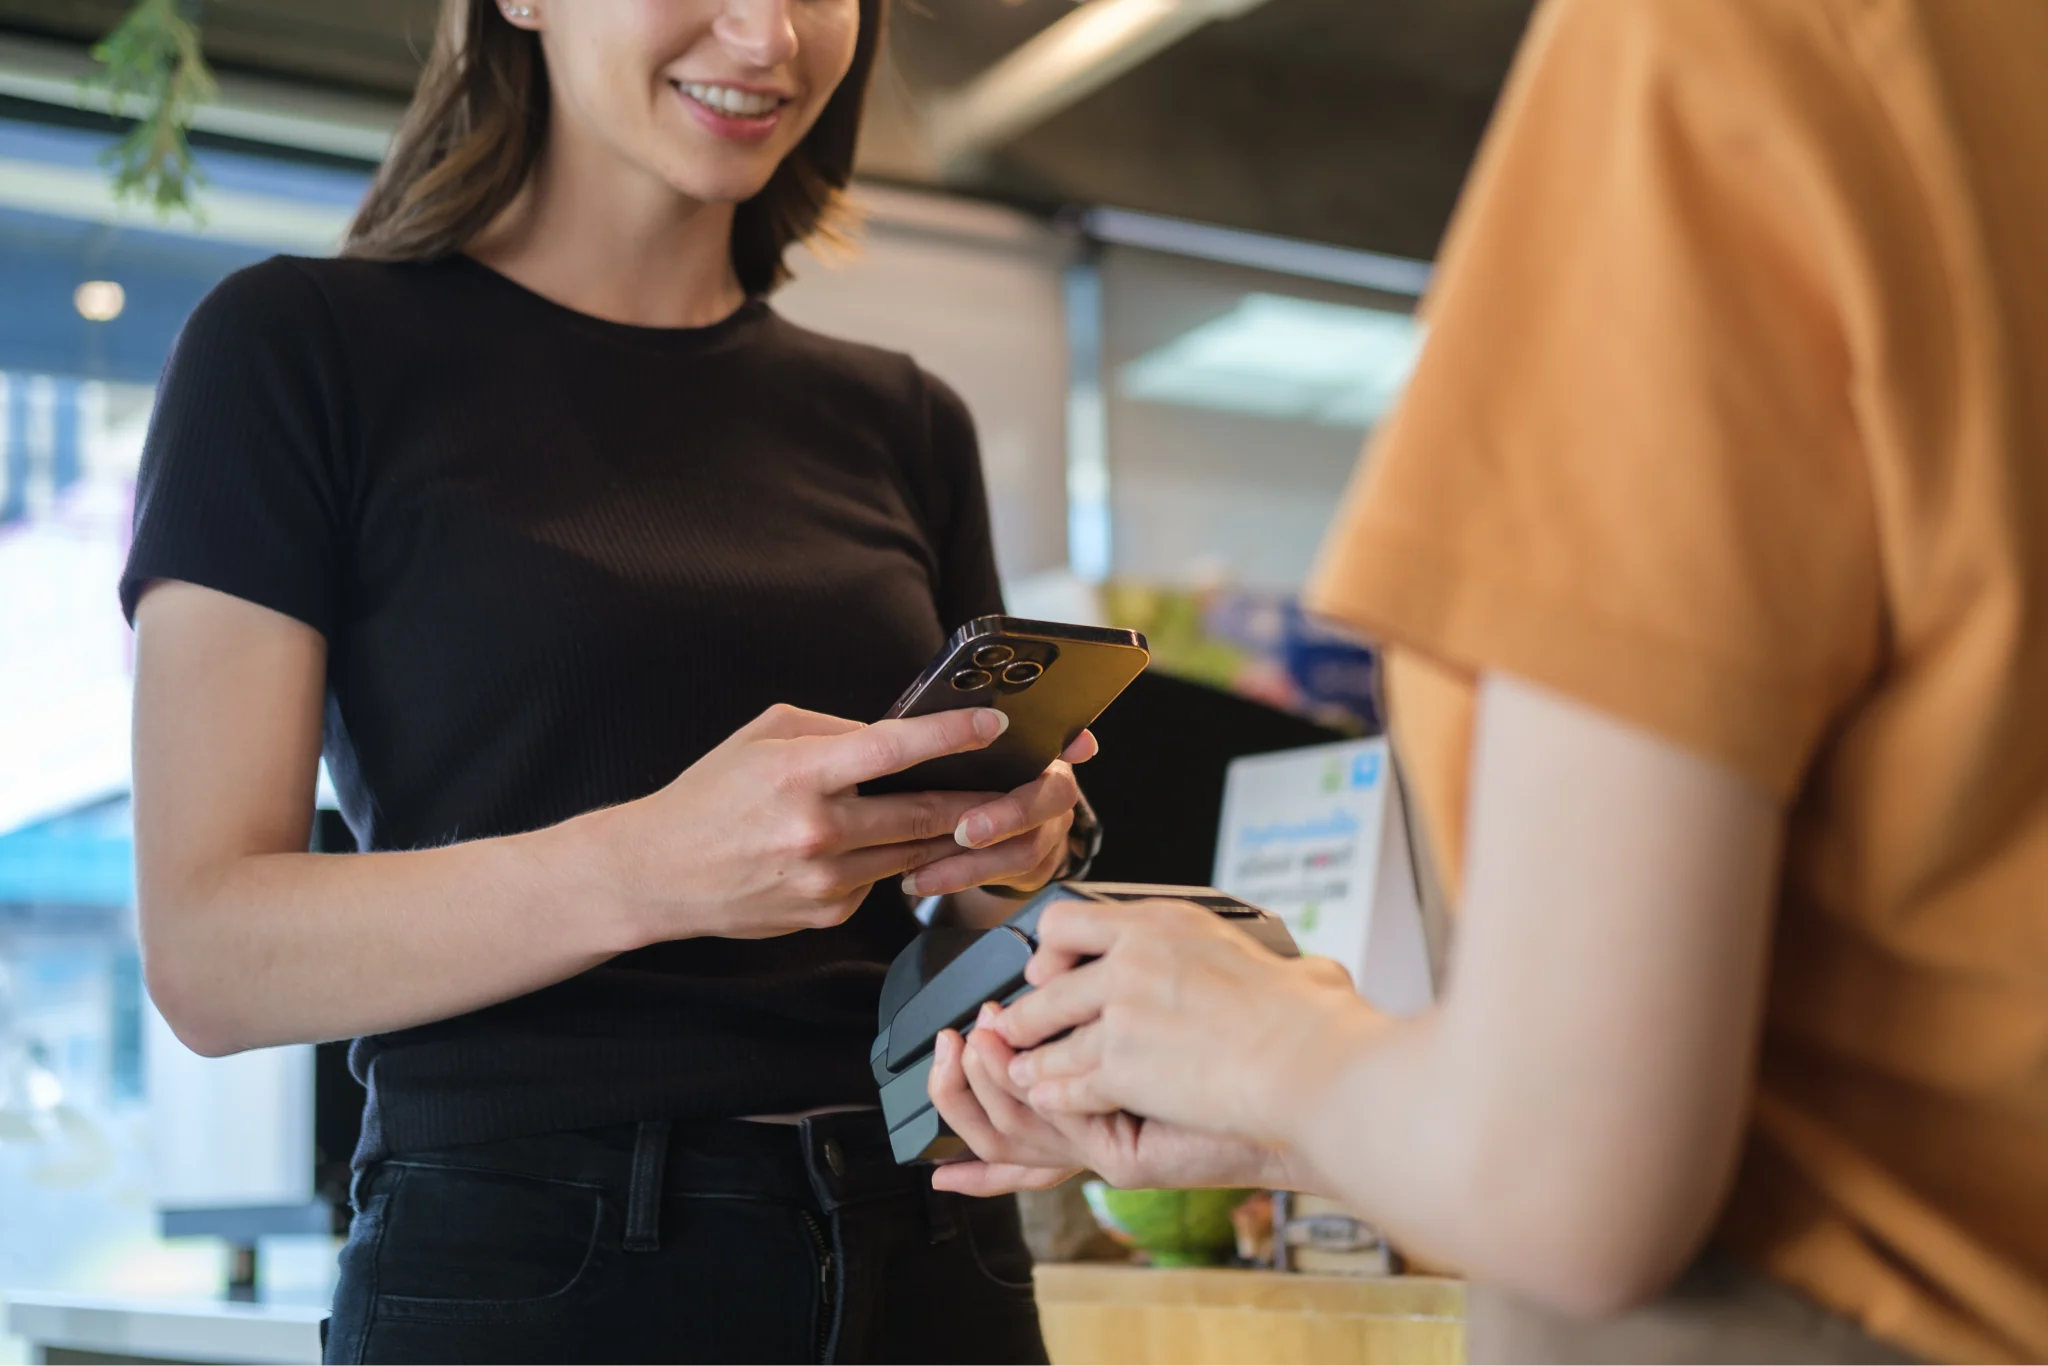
{"x":1061,"y":65}
{"x":1372,"y":270}
{"x":283,"y":113}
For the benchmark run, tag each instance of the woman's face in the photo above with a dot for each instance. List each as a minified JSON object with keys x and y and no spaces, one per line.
{"x":707,"y":96}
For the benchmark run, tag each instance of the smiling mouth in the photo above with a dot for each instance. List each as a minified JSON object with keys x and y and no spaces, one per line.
{"x":729,"y":101}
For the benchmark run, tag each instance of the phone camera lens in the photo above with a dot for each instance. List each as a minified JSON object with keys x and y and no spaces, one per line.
{"x":1023,"y":673}
{"x":994,"y":656}
{"x":972,"y":680}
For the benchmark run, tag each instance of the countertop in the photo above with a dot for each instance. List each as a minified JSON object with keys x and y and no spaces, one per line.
{"x":1092,"y":1311}
{"x":1114,"y":1312}
{"x":86,"y":1327}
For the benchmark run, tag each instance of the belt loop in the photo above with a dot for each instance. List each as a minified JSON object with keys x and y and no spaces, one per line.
{"x":643,"y":1197}
{"x":824,"y":1160}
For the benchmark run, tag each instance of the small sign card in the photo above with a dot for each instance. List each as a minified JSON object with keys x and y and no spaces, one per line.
{"x":1319,"y":837}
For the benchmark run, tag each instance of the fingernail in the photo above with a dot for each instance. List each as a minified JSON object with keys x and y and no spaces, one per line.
{"x":988,"y":1013}
{"x":910,"y":886}
{"x":1021,"y":1070}
{"x":973,"y":832}
{"x":989,"y":723}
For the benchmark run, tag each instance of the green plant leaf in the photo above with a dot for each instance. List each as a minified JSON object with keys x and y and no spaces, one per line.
{"x":155,"y":70}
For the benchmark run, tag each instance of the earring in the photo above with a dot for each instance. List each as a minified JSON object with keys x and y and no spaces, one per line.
{"x":519,"y":11}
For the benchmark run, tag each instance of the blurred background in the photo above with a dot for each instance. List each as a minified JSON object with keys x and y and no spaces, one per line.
{"x":1167,"y":249}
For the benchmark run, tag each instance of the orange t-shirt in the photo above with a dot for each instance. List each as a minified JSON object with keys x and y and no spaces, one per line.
{"x":1733,"y":423}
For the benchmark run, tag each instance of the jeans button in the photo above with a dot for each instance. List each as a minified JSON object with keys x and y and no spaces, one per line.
{"x":835,"y":1157}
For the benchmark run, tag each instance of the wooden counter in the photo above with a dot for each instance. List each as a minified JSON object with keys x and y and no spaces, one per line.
{"x":1109,"y":1312}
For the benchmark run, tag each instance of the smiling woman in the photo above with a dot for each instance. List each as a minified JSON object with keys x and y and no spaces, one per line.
{"x":584,"y":568}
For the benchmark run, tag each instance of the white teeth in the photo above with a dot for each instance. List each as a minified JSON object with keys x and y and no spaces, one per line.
{"x":724,"y":99}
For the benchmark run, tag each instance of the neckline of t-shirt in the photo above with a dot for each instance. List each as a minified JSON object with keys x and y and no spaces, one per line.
{"x":753,"y":309}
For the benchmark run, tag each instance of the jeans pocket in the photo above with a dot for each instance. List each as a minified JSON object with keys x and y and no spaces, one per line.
{"x":469,"y":1244}
{"x":994,"y":1234}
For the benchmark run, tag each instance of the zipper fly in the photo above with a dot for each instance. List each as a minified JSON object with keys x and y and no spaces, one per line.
{"x":827,"y":1264}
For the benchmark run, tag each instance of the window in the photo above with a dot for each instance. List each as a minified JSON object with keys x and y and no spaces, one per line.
{"x":91,"y":296}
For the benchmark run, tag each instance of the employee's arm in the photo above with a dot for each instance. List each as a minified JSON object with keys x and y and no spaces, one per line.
{"x":248,"y":940}
{"x":1566,"y":1122}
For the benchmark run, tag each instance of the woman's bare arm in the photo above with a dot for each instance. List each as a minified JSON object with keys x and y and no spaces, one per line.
{"x":249,"y":940}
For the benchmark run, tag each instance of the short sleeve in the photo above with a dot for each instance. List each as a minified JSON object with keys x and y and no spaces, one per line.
{"x":968,"y":586}
{"x":1627,"y":467}
{"x":243,"y":484}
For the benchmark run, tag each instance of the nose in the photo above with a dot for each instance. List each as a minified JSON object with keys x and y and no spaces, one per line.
{"x":761,"y":33}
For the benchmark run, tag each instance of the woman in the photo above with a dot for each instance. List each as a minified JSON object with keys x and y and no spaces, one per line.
{"x":1711,"y":541}
{"x":523,"y":508}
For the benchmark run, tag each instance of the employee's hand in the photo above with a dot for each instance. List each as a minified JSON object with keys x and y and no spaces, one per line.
{"x":1178,"y":1017}
{"x":766,"y":835}
{"x":1016,"y":1148}
{"x":1017,"y":841}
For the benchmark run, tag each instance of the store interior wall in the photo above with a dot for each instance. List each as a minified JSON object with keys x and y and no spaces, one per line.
{"x":975,"y":298}
{"x":1200,"y":496}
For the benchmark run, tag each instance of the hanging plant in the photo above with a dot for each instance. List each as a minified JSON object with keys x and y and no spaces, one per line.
{"x":155,"y":72}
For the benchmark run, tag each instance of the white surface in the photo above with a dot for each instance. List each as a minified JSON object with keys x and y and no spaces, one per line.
{"x":1280,"y":357}
{"x":178,"y":1330}
{"x":228,"y":1132}
{"x":1317,"y":836}
{"x":64,"y":650}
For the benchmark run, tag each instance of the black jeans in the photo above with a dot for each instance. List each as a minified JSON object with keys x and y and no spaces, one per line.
{"x":724,"y":1241}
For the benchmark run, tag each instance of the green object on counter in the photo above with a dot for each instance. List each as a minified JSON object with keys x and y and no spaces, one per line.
{"x":1173,"y":1228}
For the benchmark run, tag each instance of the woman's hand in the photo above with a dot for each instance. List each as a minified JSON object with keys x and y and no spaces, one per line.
{"x":1179,"y":1017}
{"x":767,"y":835}
{"x":1017,"y":1148}
{"x":1017,"y":841}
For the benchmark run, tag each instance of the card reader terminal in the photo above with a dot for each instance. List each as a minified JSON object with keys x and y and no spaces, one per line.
{"x":941,"y":979}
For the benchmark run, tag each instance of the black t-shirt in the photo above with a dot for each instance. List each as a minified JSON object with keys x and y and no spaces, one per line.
{"x":556,"y":560}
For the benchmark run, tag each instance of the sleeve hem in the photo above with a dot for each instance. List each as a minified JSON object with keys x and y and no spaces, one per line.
{"x":138,"y":578}
{"x":1406,"y":591}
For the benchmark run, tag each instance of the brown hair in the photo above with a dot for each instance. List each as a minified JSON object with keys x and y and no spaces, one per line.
{"x":479,"y":119}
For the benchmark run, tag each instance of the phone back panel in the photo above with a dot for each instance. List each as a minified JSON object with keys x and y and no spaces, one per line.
{"x":1051,"y":680}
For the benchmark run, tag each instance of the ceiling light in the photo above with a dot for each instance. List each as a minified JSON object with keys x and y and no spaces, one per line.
{"x":1063,"y":63}
{"x":100,"y":301}
{"x":1286,"y":358}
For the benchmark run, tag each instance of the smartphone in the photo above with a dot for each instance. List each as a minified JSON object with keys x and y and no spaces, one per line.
{"x":1052,"y":680}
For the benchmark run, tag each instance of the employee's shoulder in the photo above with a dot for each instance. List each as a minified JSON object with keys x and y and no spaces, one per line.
{"x":875,"y":372}
{"x":1701,"y":37}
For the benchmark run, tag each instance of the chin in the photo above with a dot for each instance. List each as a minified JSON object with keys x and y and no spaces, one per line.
{"x":723,"y":186}
{"x":723,"y":192}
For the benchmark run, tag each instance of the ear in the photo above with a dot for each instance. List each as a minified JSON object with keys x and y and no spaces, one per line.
{"x":522,"y":14}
